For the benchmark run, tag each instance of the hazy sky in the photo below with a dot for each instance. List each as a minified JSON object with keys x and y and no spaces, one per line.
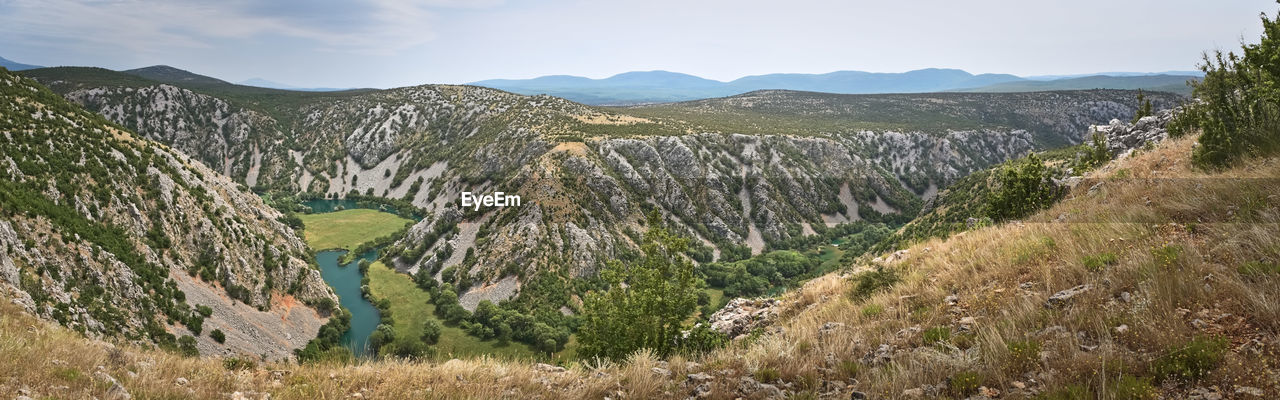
{"x":385,"y":43}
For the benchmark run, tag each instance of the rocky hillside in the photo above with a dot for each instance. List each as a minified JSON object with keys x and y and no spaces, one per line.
{"x":745,"y":172}
{"x":1087,"y":306}
{"x":114,"y":235}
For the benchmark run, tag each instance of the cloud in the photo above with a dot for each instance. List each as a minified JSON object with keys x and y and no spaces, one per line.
{"x":362,"y":27}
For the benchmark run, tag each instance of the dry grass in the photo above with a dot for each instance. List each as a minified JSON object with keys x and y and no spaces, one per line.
{"x":1001,"y":275}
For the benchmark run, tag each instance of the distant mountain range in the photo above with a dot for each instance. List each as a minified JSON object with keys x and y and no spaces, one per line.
{"x":651,"y":87}
{"x":663,"y":86}
{"x":16,"y":66}
{"x":263,"y":83}
{"x":1162,"y":83}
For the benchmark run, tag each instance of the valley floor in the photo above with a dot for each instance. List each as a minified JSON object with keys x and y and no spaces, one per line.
{"x":1152,"y":279}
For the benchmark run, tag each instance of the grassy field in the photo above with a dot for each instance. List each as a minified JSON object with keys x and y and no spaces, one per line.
{"x":411,"y":307}
{"x":347,"y":229}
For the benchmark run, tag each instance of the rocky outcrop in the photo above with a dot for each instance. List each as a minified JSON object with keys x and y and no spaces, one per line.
{"x":742,"y":316}
{"x":1124,"y":137}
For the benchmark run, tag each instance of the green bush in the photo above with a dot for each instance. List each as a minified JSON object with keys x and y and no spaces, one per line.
{"x":1239,"y":111}
{"x":187,"y":346}
{"x":218,"y":336}
{"x":767,"y":374}
{"x":646,"y":301}
{"x":870,"y":282}
{"x":1023,"y":354}
{"x":431,"y":332}
{"x":937,"y":334}
{"x":238,"y":364}
{"x":1024,"y":187}
{"x":1092,"y":155}
{"x":1166,"y":256}
{"x":701,"y":339}
{"x":1192,"y":361}
{"x":1099,"y":261}
{"x":1128,"y":387}
{"x":964,"y":383}
{"x":1073,"y":391}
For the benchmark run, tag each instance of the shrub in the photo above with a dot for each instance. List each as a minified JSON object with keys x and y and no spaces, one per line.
{"x":431,"y":332}
{"x":1024,"y":187}
{"x":1127,"y":387}
{"x":1239,"y":114}
{"x":1023,"y":354}
{"x":1099,"y":261}
{"x":964,"y":383}
{"x":1094,"y":155}
{"x":1073,"y":391}
{"x":1192,"y":361}
{"x":701,"y":339}
{"x":870,"y":282}
{"x":937,"y":334}
{"x":1165,"y":256}
{"x":218,"y":336}
{"x":767,"y":374}
{"x":238,"y":364}
{"x":187,"y":346}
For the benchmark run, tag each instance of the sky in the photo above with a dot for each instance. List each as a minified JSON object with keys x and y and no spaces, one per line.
{"x":390,"y":43}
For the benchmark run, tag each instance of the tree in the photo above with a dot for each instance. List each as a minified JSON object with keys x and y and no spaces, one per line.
{"x":1144,"y":107}
{"x":645,"y":303}
{"x":187,"y":346}
{"x":431,"y":332}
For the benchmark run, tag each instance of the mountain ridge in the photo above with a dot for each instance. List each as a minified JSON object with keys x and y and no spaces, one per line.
{"x":646,"y":87}
{"x":16,"y":66}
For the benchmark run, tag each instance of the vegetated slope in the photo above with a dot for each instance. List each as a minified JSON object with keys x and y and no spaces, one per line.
{"x":1170,"y":272}
{"x":115,"y":235}
{"x":1156,"y":83}
{"x":746,"y":172}
{"x":1053,"y":118}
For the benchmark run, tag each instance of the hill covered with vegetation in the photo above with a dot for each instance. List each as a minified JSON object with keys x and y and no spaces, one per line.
{"x":117,"y":236}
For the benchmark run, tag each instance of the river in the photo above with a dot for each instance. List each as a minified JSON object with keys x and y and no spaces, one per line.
{"x":345,"y":280}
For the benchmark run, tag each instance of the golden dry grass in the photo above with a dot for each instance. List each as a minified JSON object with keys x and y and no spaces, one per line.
{"x":1001,"y":275}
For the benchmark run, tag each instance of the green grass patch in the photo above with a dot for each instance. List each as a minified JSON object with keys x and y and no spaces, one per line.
{"x":411,"y":308}
{"x":348,"y":229}
{"x":937,"y":334}
{"x":1259,"y":268}
{"x":1192,"y":361}
{"x":1099,"y":261}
